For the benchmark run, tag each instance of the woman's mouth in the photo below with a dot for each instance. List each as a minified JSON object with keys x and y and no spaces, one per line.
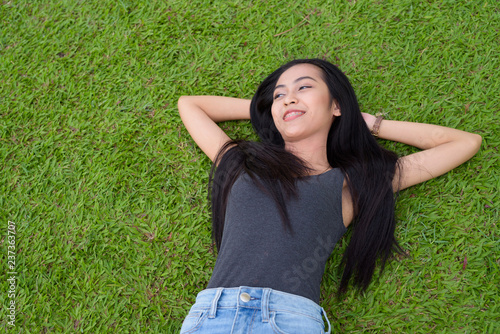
{"x":292,"y":114}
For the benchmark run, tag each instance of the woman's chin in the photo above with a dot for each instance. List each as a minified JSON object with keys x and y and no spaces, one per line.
{"x":292,"y":135}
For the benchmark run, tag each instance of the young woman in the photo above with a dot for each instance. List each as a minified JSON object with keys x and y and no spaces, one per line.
{"x":280,"y":205}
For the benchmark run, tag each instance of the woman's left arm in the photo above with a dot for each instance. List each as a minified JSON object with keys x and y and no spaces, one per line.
{"x":443,"y":149}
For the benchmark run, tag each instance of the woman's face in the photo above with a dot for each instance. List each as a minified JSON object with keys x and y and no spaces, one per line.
{"x":302,"y":106}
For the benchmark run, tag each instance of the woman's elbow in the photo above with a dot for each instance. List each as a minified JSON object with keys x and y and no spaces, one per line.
{"x":477,"y":141}
{"x":474,"y":142}
{"x":182,"y":100}
{"x":183,"y":103}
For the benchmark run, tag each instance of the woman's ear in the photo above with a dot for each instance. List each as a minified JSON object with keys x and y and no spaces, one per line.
{"x":335,"y":108}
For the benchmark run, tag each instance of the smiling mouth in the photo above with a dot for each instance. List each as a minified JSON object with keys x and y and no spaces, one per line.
{"x":293,"y":114}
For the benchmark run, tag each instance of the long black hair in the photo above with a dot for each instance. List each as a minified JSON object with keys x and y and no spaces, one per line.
{"x":367,"y":167}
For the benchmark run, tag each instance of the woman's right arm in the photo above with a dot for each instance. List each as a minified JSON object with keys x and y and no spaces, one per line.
{"x":201,"y":113}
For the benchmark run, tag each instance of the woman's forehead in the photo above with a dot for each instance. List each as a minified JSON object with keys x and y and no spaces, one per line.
{"x":299,"y":71}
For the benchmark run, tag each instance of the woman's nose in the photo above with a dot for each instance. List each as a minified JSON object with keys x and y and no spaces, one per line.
{"x":290,"y":99}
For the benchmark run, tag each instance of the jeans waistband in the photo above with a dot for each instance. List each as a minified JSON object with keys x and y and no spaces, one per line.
{"x":268,"y":300}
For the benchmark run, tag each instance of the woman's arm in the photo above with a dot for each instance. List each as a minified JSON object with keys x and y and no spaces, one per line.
{"x":443,"y":149}
{"x":201,"y":113}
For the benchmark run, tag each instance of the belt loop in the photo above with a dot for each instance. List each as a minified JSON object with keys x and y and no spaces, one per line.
{"x":213,"y":308}
{"x":265,"y":304}
{"x":328,"y":321}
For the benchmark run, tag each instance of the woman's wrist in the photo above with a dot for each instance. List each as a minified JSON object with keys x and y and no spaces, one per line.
{"x":373,"y":122}
{"x":376,"y":125}
{"x":369,"y":120}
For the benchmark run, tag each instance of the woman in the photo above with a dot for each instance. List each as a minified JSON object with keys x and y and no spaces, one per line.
{"x":280,"y":205}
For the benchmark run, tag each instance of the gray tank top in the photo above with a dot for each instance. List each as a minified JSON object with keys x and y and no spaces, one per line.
{"x":257,"y":251}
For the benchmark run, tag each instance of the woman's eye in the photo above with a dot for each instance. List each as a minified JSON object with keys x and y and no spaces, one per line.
{"x":276,"y":96}
{"x":303,"y":87}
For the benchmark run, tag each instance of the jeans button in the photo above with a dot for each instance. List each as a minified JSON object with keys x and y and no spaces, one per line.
{"x":245,"y":297}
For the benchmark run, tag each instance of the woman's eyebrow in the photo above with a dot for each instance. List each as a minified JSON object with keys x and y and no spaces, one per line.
{"x":297,"y":80}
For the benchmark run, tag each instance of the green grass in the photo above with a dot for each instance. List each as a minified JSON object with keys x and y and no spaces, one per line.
{"x":108,"y":191}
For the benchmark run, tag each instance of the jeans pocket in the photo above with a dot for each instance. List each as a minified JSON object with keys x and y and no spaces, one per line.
{"x":291,"y":323}
{"x":193,"y":320}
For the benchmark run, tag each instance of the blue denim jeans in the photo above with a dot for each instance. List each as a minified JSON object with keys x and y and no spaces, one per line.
{"x":253,"y":310}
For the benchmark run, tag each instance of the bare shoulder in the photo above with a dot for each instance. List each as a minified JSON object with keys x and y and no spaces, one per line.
{"x":347,"y":209}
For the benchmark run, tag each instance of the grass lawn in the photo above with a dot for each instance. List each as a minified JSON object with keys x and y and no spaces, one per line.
{"x":107,"y":192}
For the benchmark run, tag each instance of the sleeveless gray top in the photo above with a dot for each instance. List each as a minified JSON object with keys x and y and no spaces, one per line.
{"x":257,"y":251}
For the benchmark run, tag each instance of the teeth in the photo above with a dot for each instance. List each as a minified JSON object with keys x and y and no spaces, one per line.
{"x":293,"y":114}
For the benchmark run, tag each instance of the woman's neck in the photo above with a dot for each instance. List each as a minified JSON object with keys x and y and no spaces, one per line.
{"x":313,"y":154}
